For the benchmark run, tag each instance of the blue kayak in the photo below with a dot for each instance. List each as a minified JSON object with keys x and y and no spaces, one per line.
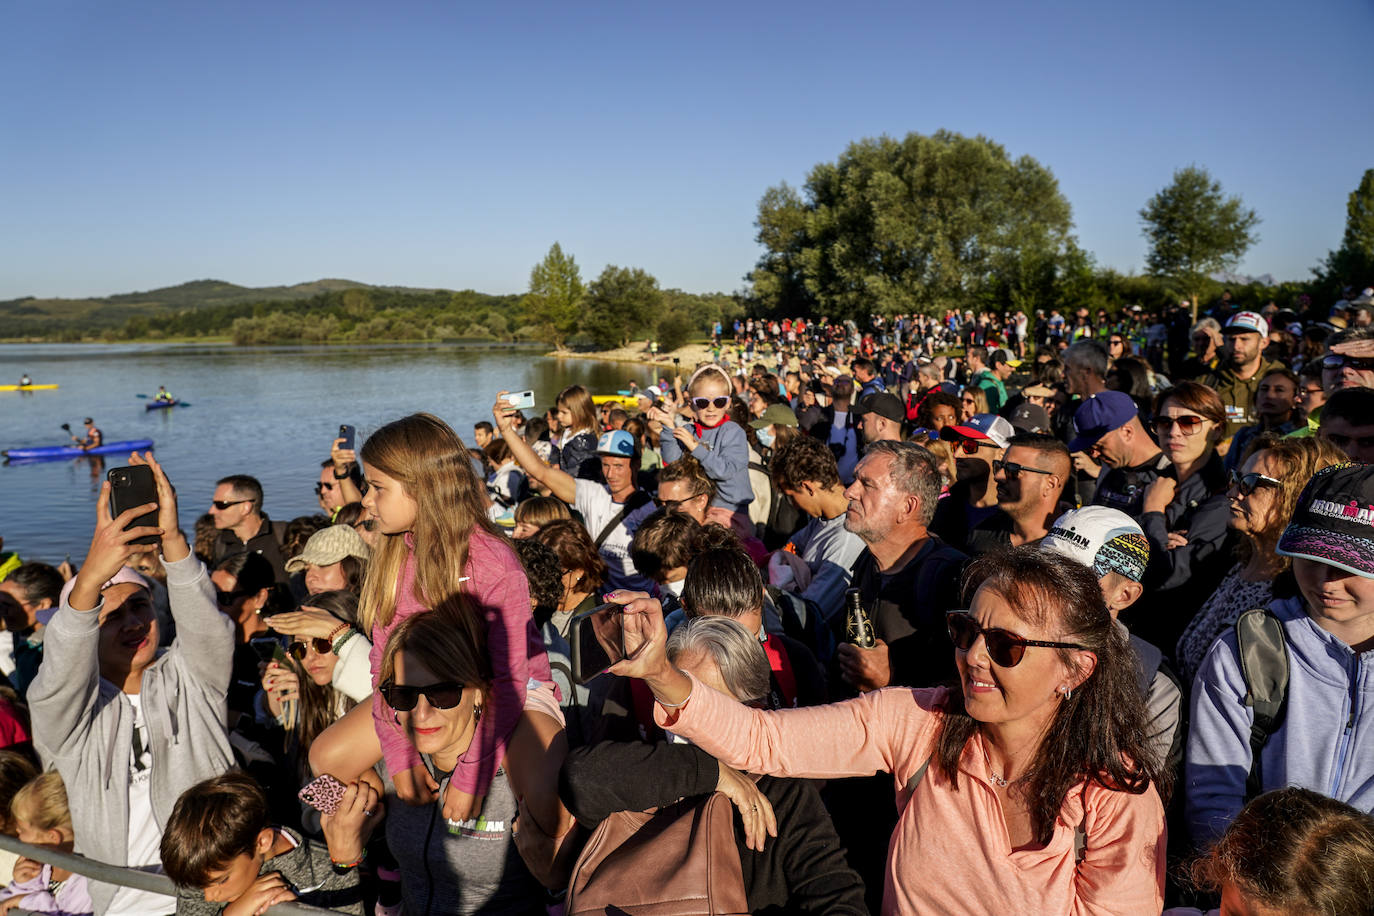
{"x":160,"y":405}
{"x":71,"y":451}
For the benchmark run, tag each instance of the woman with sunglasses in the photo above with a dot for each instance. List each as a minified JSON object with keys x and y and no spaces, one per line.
{"x":973,"y":401}
{"x":1184,"y":513}
{"x":1029,"y":783}
{"x":1261,"y":496}
{"x":436,"y":684}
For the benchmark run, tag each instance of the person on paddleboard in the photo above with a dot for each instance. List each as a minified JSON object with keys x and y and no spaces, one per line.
{"x":93,"y":436}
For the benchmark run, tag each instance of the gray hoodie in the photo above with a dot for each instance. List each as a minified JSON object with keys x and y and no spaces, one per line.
{"x":83,"y":724}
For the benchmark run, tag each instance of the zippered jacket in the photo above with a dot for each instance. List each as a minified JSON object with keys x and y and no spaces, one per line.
{"x":1323,"y":743}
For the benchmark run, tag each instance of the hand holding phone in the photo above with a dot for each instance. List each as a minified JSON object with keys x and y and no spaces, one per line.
{"x":521,"y":400}
{"x":323,"y":793}
{"x":597,"y":641}
{"x":131,"y":487}
{"x":347,"y":434}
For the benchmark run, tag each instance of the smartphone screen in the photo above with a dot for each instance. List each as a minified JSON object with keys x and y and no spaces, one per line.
{"x":347,"y":434}
{"x":130,"y":487}
{"x":267,"y":648}
{"x":597,"y":641}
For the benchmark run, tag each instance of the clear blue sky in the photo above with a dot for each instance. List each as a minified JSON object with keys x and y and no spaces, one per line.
{"x":143,"y":144}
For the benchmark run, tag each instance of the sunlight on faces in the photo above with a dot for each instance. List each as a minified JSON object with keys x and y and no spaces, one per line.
{"x":676,"y":494}
{"x":618,"y":473}
{"x":1113,"y":449}
{"x":325,"y":578}
{"x":524,"y":530}
{"x":1346,"y":376}
{"x":434,"y":731}
{"x":710,"y":385}
{"x":804,"y":498}
{"x":386,"y":502}
{"x":1333,"y":594}
{"x":331,"y":490}
{"x":1181,"y":448}
{"x":942,"y":415}
{"x":1253,"y":513}
{"x":128,"y":629}
{"x":1025,"y":487}
{"x":1030,"y":689}
{"x":319,"y":666}
{"x":875,"y":505}
{"x":228,"y":518}
{"x":1242,"y":349}
{"x":1275,"y":396}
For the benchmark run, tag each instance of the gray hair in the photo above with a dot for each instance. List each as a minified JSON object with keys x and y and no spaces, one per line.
{"x":1364,"y":332}
{"x":1088,"y":354}
{"x":1205,"y":324}
{"x":736,"y":652}
{"x":932,"y":372}
{"x":914,"y":472}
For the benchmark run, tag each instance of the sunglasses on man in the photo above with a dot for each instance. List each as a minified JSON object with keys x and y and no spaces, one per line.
{"x":970,"y":446}
{"x":403,"y":698}
{"x":1005,"y":648}
{"x":1245,"y":484}
{"x":222,"y":504}
{"x":1013,"y":469}
{"x":321,"y":486}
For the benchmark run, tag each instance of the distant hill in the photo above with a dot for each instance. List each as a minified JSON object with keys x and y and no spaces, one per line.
{"x":31,"y":316}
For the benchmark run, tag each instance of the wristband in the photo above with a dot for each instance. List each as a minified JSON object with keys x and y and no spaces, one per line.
{"x":345,"y":475}
{"x":675,"y":705}
{"x":343,"y":640}
{"x":345,"y":867}
{"x":335,"y":633}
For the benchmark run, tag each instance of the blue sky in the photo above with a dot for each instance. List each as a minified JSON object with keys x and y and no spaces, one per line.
{"x":144,"y":144}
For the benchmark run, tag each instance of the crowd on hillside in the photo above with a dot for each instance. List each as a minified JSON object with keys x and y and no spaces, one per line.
{"x":1063,"y":613}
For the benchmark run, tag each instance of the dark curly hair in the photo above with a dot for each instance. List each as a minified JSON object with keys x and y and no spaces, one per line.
{"x":1099,"y":733}
{"x":545,"y":574}
{"x":804,"y":459}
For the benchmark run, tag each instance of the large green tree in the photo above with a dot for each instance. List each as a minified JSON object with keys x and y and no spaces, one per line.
{"x":1353,"y":262}
{"x":619,"y":304}
{"x":1195,"y":230}
{"x":555,"y":296}
{"x":924,"y":222}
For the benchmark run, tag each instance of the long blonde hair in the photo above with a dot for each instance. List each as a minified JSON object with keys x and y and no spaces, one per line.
{"x":429,"y":460}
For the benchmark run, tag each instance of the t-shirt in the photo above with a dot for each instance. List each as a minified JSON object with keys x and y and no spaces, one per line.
{"x":593,"y":501}
{"x":829,"y":550}
{"x":145,"y":837}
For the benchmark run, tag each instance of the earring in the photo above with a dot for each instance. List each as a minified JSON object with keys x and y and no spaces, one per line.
{"x":396,"y":717}
{"x":477,"y":712}
{"x":1068,"y":693}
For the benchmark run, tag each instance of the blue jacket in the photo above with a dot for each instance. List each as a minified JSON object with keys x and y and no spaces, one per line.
{"x":1323,"y":742}
{"x":725,"y":458}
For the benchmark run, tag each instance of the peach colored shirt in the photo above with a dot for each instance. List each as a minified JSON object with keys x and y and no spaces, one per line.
{"x":950,"y":852}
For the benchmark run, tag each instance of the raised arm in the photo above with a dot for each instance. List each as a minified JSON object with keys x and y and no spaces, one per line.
{"x":560,"y":483}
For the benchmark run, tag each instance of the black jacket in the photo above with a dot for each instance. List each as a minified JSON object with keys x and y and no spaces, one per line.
{"x":803,"y":870}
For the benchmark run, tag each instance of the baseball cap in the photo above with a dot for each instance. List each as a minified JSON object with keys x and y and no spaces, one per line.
{"x":1030,"y":418}
{"x":328,"y":546}
{"x":617,"y":443}
{"x":1247,"y":323}
{"x":1099,"y":415}
{"x":125,"y":576}
{"x":884,"y":404}
{"x":1106,"y":540}
{"x":985,"y":426}
{"x":1334,"y":520}
{"x":775,"y":415}
{"x":1003,"y":356}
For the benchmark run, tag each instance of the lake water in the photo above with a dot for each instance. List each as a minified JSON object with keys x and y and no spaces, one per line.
{"x":266,"y":411}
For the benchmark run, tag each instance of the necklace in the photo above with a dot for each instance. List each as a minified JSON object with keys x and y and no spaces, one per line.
{"x":997,"y":780}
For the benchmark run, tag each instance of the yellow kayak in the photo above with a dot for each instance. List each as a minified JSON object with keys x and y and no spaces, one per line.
{"x":624,"y":400}
{"x":27,"y":387}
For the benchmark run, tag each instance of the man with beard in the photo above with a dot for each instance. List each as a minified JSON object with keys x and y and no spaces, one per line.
{"x":1243,"y":365}
{"x":973,"y":499}
{"x":1030,"y":479}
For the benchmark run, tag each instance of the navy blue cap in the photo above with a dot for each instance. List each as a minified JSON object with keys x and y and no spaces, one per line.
{"x":1099,"y":415}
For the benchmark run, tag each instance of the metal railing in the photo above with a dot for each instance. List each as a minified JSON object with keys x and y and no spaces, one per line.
{"x":123,"y":877}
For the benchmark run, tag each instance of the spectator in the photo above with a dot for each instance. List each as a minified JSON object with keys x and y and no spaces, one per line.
{"x":506,"y":483}
{"x":1276,"y":410}
{"x":104,"y":704}
{"x":29,"y":596}
{"x":16,"y":769}
{"x":578,"y":429}
{"x":684,"y":487}
{"x":42,"y":818}
{"x":237,"y":512}
{"x":1107,"y":428}
{"x":971,"y":403}
{"x":1237,"y":380}
{"x":880,"y":417}
{"x":536,"y":512}
{"x":243,"y":588}
{"x":1348,"y":423}
{"x":1002,"y":367}
{"x":716,"y":441}
{"x":583,"y":570}
{"x":1041,"y":741}
{"x":1207,"y":342}
{"x":225,"y":856}
{"x":1322,"y":741}
{"x":937,"y":410}
{"x":1262,"y":496}
{"x":866,"y":374}
{"x":803,"y":868}
{"x":1030,"y":478}
{"x":977,"y":442}
{"x":1085,"y":368}
{"x":661,"y":549}
{"x":334,"y":558}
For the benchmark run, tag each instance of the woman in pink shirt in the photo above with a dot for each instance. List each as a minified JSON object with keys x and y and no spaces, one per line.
{"x":1029,"y":788}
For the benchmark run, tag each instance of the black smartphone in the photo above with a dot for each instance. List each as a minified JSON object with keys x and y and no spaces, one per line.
{"x":596,"y":640}
{"x":347,"y":434}
{"x":131,"y":487}
{"x":268,"y":648}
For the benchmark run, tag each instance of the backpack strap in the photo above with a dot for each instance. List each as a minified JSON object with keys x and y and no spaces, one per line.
{"x":1263,"y":652}
{"x":635,"y":500}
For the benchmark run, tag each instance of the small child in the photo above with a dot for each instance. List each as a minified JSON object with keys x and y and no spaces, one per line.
{"x":42,"y":819}
{"x":226,"y":857}
{"x":719,"y":443}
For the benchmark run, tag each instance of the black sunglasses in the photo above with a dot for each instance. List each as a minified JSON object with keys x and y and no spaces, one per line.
{"x":1005,"y":648}
{"x":1012,"y":468}
{"x":703,"y":403}
{"x":223,"y":504}
{"x":1336,"y":361}
{"x":443,"y":695}
{"x":970,"y":446}
{"x":322,"y":647}
{"x":1246,"y":484}
{"x":321,"y":486}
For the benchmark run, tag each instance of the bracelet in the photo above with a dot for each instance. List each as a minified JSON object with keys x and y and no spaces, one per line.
{"x":675,"y":705}
{"x":342,"y":640}
{"x":344,"y":476}
{"x":347,"y":866}
{"x":341,"y":628}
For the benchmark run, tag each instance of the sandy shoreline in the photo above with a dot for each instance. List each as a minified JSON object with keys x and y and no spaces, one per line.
{"x":638,"y":353}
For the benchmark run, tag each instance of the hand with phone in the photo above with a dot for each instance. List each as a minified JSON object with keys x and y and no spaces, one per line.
{"x":645,"y":642}
{"x":112,"y":546}
{"x":174,"y":544}
{"x":503,"y":413}
{"x":281,"y":685}
{"x":348,"y":827}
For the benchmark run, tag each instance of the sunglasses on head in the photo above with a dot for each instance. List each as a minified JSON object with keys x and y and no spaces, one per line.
{"x":222,"y":504}
{"x":1246,"y":484}
{"x":1005,"y":648}
{"x":702,"y":403}
{"x":321,"y":645}
{"x":402,"y":698}
{"x":1189,"y":425}
{"x":1012,"y":468}
{"x":1336,"y":361}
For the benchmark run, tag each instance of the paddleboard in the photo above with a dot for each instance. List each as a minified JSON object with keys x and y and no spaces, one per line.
{"x":27,"y":387}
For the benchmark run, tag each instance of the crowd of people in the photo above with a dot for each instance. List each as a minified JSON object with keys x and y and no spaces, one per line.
{"x":1041,"y":614}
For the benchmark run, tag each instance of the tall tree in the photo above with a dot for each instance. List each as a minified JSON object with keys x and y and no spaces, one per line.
{"x":923,"y":222}
{"x":556,"y":293}
{"x":1195,"y":230}
{"x":1353,"y":262}
{"x":619,"y":304}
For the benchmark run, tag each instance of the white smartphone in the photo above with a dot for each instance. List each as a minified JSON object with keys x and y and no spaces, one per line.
{"x":521,"y":400}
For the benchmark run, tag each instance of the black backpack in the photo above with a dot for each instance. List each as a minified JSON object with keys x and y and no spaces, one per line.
{"x":1263,"y":651}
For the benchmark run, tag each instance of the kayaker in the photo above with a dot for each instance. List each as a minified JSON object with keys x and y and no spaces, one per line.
{"x":93,"y":436}
{"x":163,"y":394}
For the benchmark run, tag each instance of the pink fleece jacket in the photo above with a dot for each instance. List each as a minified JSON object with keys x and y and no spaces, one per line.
{"x":498,"y":586}
{"x":950,"y":852}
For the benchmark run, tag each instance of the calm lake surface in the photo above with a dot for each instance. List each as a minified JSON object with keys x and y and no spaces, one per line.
{"x":266,"y":411}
